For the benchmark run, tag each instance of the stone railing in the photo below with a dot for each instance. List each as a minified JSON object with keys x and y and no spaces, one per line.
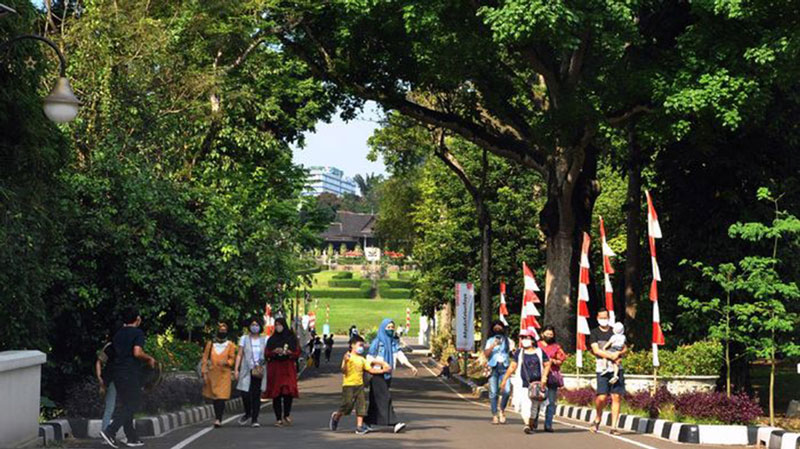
{"x":20,"y":388}
{"x":638,"y":382}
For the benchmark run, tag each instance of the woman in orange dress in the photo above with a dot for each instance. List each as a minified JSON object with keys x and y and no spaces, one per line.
{"x":218,"y":360}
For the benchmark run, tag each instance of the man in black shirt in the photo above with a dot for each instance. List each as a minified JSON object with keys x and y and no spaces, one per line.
{"x":126,"y":370}
{"x":597,"y":341}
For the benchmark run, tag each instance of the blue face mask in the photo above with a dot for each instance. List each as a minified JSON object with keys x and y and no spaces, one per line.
{"x":360,"y":350}
{"x":390,"y":332}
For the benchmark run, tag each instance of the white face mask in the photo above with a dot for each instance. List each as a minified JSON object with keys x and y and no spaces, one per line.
{"x":602,"y":322}
{"x":527,"y":343}
{"x":255,"y":328}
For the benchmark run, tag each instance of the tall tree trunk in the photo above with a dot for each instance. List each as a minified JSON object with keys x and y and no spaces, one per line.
{"x":485,"y":226}
{"x":566,"y":215}
{"x":633,"y":224}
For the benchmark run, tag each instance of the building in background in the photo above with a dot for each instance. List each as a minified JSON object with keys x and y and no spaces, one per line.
{"x":352,"y":229}
{"x":330,"y":180}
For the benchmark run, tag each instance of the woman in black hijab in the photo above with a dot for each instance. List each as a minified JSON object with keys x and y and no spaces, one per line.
{"x":282,"y":353}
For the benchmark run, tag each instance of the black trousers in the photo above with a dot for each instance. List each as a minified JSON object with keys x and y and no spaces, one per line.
{"x":219,"y":408}
{"x":282,"y":406}
{"x":129,"y":395}
{"x":252,"y":400}
{"x":328,"y":354}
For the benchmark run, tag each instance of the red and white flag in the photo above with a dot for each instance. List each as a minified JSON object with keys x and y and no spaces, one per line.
{"x":408,"y":320}
{"x":653,"y":233}
{"x":269,"y":321}
{"x":503,"y":307}
{"x":529,"y":313}
{"x":608,"y":270}
{"x":583,"y":302}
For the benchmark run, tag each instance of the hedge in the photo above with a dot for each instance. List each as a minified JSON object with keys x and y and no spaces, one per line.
{"x":405,"y":275}
{"x":345,"y":283}
{"x":394,"y":283}
{"x":365,"y":291}
{"x":700,"y":358}
{"x":386,"y":291}
{"x":343,"y":275}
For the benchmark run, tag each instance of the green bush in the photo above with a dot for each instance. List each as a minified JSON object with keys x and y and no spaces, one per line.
{"x":365,"y":291}
{"x":351,"y":260}
{"x":699,"y":358}
{"x":345,"y":283}
{"x":394,"y":283}
{"x":343,"y":275}
{"x":174,"y":354}
{"x":386,"y":291}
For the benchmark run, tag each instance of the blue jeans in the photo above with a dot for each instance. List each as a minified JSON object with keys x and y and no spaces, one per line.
{"x":494,"y":388}
{"x":550,"y":411}
{"x":111,"y":403}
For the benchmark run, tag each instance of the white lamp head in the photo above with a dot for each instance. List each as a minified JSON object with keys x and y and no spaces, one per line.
{"x":61,"y":106}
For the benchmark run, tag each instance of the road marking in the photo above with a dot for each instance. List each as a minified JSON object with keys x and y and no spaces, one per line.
{"x":480,"y":404}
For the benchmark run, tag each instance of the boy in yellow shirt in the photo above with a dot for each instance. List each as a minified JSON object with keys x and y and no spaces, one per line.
{"x":354,"y":365}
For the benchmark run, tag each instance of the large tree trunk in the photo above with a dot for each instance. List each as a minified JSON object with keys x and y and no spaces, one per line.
{"x":566,"y":215}
{"x":633,"y":224}
{"x":485,"y":226}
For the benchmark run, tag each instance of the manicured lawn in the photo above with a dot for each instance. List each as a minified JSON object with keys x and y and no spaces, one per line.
{"x":364,"y":313}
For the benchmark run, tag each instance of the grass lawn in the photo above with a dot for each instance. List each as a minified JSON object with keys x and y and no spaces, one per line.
{"x":364,"y":313}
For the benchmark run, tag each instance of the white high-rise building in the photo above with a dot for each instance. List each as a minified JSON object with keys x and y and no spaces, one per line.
{"x":328,"y":180}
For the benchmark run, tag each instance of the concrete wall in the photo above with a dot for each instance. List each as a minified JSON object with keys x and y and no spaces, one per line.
{"x":20,"y":379}
{"x":636,"y":382}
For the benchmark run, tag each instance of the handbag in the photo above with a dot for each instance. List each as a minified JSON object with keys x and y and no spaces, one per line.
{"x":555,"y":379}
{"x":535,"y":390}
{"x":257,"y":371}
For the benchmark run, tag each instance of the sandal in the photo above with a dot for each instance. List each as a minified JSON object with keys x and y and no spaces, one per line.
{"x":595,"y":427}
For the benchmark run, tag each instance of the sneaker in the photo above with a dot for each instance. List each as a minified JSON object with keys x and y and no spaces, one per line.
{"x":109,"y":440}
{"x":527,"y":430}
{"x":287,"y":421}
{"x":502,"y":418}
{"x":399,"y":427}
{"x":255,"y":424}
{"x":595,"y":427}
{"x":243,"y":420}
{"x":363,"y":430}
{"x":495,"y":420}
{"x":217,"y":424}
{"x":136,"y":443}
{"x":278,"y":423}
{"x":333,"y":424}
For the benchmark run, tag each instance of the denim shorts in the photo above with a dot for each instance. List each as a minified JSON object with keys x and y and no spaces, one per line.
{"x":605,"y":387}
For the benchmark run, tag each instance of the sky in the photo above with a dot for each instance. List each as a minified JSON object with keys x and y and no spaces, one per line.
{"x":343,"y":145}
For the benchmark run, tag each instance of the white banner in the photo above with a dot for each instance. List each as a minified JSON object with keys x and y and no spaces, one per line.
{"x":373,"y":254}
{"x":465,"y":317}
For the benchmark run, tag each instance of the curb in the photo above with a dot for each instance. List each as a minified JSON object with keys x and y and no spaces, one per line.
{"x":150,"y":426}
{"x":740,"y":435}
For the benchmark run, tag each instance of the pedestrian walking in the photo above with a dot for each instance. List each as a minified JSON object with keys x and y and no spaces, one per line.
{"x":283,"y":350}
{"x":128,"y":346}
{"x":354,"y":365}
{"x":352,"y":332}
{"x":102,"y":369}
{"x":598,"y":338}
{"x":219,"y":359}
{"x":250,"y":371}
{"x":555,"y":380}
{"x":328,"y":340}
{"x":533,"y":365}
{"x":497,"y":350}
{"x":317,"y":351}
{"x":382,"y":350}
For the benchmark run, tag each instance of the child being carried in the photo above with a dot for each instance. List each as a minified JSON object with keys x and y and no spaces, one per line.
{"x":614,"y":345}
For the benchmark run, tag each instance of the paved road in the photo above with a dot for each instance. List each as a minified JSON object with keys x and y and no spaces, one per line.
{"x":437,"y":416}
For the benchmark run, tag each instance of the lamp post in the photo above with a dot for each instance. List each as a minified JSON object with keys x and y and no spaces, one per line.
{"x":61,"y":105}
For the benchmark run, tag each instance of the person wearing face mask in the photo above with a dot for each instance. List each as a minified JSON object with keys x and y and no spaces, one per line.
{"x":497,"y":350}
{"x":555,"y":380}
{"x":219,"y":357}
{"x":382,"y":350}
{"x":534,"y":366}
{"x":250,"y":371}
{"x":598,"y":338}
{"x":283,"y":350}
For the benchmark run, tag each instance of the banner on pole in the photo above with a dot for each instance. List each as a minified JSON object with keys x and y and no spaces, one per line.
{"x":372,"y":254}
{"x":326,"y":329}
{"x":465,"y":317}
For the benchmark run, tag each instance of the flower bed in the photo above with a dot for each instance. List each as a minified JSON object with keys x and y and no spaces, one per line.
{"x":693,"y":408}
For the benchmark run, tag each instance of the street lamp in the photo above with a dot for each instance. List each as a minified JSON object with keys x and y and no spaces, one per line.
{"x":61,"y":106}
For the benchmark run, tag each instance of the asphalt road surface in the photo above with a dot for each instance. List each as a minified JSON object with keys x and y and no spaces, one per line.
{"x":438,"y":414}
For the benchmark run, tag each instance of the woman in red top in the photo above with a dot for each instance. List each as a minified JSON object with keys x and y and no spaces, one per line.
{"x":555,"y":379}
{"x":282,"y":353}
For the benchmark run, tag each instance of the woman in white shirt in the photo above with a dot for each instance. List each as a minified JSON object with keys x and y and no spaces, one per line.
{"x":251,"y":372}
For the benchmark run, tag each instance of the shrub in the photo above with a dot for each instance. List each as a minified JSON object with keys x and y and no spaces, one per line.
{"x":442,"y":346}
{"x":364,"y":291}
{"x":717,"y":407}
{"x":173,"y":393}
{"x":650,"y":405}
{"x":700,"y":358}
{"x":343,"y":275}
{"x":405,"y":275}
{"x":581,"y":397}
{"x":394,"y":283}
{"x":345,"y":283}
{"x":174,"y":354}
{"x":386,"y":291}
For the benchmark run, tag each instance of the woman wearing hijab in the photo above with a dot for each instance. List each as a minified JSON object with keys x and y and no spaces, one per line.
{"x":383,"y":348}
{"x":283,"y":350}
{"x":216,"y":366}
